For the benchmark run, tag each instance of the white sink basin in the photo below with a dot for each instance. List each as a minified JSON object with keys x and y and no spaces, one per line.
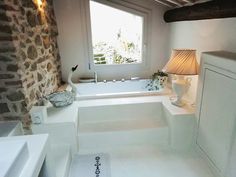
{"x":13,"y":157}
{"x":10,"y":128}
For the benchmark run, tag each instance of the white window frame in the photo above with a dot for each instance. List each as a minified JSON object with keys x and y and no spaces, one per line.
{"x":131,"y":8}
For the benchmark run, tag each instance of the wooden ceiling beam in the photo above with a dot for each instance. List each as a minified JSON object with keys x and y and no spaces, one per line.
{"x":207,"y":10}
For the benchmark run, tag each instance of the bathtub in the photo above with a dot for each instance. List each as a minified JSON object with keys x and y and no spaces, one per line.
{"x":111,"y":89}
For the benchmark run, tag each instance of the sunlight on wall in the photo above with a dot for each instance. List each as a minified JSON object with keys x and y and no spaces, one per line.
{"x":41,"y":4}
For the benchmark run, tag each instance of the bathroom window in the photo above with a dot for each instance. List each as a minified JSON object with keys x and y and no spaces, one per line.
{"x":117,"y":34}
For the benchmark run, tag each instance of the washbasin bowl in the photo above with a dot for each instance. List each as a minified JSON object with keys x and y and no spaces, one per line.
{"x":10,"y":128}
{"x":14,"y":155}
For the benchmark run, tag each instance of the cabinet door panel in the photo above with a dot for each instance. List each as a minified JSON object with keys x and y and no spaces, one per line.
{"x":217,"y":117}
{"x":231,"y":170}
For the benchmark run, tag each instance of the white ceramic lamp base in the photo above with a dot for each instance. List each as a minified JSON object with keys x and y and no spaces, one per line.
{"x":179,"y":87}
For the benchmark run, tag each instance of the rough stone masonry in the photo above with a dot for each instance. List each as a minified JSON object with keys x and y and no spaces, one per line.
{"x":29,"y":57}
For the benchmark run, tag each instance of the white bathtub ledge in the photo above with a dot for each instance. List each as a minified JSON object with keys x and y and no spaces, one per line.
{"x":174,"y":110}
{"x":70,"y":113}
{"x":120,"y":101}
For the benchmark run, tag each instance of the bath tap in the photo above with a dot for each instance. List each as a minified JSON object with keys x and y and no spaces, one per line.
{"x":95,"y":77}
{"x":134,"y":78}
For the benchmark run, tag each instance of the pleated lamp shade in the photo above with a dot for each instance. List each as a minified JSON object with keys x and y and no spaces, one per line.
{"x":182,"y":62}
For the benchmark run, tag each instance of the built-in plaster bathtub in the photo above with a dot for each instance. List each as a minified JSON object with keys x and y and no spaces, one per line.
{"x":112,"y":89}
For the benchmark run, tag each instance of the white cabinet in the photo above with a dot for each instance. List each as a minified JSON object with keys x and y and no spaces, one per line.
{"x":216,"y":109}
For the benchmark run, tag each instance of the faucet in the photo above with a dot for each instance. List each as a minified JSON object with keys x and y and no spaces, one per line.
{"x":95,"y":77}
{"x":135,"y":78}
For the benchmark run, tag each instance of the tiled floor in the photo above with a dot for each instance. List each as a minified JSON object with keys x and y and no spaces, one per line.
{"x":150,"y":161}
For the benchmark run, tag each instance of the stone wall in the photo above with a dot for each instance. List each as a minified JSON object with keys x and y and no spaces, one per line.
{"x":29,"y":57}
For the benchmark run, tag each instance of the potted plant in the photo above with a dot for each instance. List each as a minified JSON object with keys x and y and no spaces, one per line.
{"x":158,"y":81}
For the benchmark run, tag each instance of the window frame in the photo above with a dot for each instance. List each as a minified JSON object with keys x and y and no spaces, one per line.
{"x":130,"y":8}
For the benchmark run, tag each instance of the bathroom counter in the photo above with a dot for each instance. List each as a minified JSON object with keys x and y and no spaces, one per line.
{"x":37,"y":147}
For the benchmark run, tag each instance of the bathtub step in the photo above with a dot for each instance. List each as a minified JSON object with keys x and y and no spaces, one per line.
{"x":123,"y":133}
{"x":125,"y":125}
{"x":120,"y":112}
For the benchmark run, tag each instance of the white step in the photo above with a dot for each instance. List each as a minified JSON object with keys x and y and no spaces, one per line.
{"x":123,"y":125}
{"x":128,"y":132}
{"x":120,"y":112}
{"x":62,"y":157}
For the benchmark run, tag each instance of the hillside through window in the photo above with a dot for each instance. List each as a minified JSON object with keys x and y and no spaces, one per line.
{"x":117,"y":35}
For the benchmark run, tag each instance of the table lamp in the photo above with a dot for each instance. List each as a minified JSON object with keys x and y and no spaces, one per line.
{"x":182,"y":62}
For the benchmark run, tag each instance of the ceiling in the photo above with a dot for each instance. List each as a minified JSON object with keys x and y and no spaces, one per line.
{"x":179,"y":3}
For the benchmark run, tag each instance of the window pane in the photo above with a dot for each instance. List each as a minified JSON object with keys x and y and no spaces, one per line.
{"x":116,"y":35}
